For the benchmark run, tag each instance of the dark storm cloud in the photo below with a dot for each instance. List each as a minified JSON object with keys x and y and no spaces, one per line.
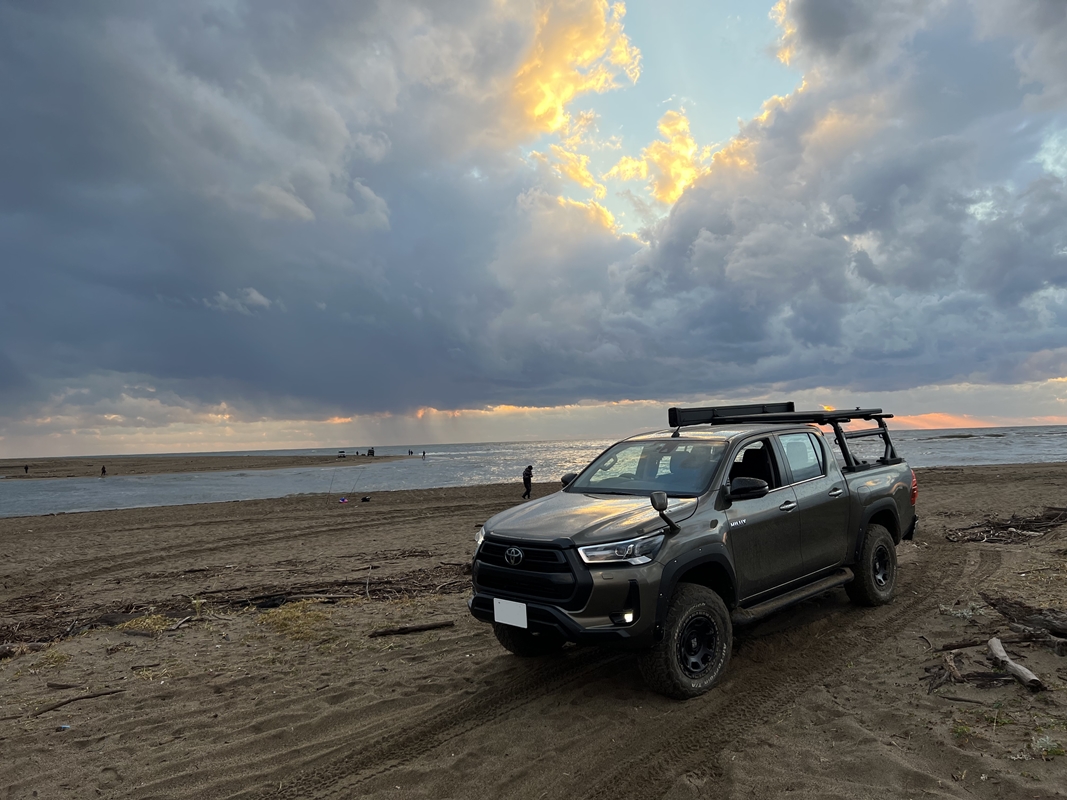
{"x":163,"y":164}
{"x":322,"y":208}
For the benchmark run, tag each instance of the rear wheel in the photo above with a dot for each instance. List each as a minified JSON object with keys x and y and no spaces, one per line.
{"x":523,"y":643}
{"x":876,"y":570}
{"x":695,"y":649}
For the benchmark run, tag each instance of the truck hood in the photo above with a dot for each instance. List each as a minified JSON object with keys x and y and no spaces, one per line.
{"x":586,"y":518}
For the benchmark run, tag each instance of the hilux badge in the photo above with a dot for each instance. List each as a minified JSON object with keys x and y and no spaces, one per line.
{"x":513,"y":556}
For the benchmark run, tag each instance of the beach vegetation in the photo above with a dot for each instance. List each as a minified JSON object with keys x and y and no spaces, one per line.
{"x":51,"y":659}
{"x":1047,"y":747}
{"x":150,"y":623}
{"x":303,"y":621}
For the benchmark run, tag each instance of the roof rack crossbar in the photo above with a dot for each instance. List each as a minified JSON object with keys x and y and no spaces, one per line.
{"x":863,"y":433}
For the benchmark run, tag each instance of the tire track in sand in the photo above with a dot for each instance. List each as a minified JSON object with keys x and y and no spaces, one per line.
{"x":753,"y":695}
{"x":332,"y":765}
{"x":753,"y":698}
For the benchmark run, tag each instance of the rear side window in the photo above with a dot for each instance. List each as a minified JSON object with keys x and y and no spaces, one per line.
{"x":804,"y":456}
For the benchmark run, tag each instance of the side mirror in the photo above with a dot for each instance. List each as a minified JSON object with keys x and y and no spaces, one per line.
{"x":659,"y":502}
{"x":568,"y":479}
{"x":748,"y":488}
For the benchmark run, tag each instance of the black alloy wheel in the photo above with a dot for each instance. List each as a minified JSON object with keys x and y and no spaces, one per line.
{"x":697,"y":646}
{"x":695,"y":649}
{"x":876,"y":569}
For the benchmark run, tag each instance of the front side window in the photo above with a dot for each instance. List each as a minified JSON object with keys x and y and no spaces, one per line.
{"x":804,"y":461}
{"x":677,"y":467}
{"x":756,"y":460}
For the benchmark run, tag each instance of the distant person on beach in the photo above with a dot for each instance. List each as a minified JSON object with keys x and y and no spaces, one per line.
{"x":423,"y":455}
{"x":527,"y":481}
{"x":27,"y":468}
{"x":103,"y":472}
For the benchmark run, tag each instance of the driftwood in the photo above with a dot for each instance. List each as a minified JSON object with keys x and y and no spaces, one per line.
{"x":9,"y":650}
{"x":1014,"y":530}
{"x":405,"y":629}
{"x":179,"y":623}
{"x":950,"y":666}
{"x":1021,"y":674}
{"x":964,"y":644}
{"x":1052,"y":620}
{"x":1055,"y":643}
{"x":69,"y":700}
{"x":955,"y":699}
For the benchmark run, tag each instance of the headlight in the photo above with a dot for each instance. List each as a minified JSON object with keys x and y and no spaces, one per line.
{"x":479,"y":537}
{"x":631,"y":551}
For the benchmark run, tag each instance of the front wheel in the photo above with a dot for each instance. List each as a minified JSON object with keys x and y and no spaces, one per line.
{"x":526,"y":644}
{"x":876,"y":570}
{"x":695,"y":649}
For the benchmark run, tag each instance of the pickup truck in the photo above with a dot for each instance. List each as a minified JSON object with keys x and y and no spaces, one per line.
{"x":670,"y":538}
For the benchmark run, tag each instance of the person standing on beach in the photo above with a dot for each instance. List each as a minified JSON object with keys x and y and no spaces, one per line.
{"x":527,"y":481}
{"x":103,"y":472}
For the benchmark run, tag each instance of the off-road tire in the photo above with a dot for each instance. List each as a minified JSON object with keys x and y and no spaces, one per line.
{"x":697,"y":641}
{"x":876,"y":569}
{"x":526,"y":644}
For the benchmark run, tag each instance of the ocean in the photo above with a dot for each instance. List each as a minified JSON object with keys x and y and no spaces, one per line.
{"x":461,"y":465}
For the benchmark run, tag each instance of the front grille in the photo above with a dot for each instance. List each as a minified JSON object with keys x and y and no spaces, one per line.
{"x":534,"y":559}
{"x":545,"y":573}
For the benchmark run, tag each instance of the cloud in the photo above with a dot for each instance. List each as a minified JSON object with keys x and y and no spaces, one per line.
{"x":173,"y":170}
{"x":575,"y":166}
{"x":247,"y":300}
{"x":579,"y":47}
{"x":673,"y":162}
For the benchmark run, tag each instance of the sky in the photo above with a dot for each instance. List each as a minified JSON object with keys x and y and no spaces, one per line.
{"x":240,"y":225}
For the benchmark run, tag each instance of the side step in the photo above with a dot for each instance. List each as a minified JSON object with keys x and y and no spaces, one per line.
{"x":746,"y":616}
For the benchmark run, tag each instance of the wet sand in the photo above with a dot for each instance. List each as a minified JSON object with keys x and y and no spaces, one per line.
{"x":823,"y":700}
{"x":168,"y":464}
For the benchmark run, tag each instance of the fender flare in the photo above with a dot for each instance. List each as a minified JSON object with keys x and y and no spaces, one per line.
{"x":878,"y":506}
{"x":703,"y":556}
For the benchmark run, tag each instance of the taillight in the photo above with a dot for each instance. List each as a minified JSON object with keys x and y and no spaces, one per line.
{"x":914,"y":487}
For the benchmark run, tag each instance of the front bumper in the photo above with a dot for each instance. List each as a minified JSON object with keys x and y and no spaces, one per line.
{"x":611,"y":592}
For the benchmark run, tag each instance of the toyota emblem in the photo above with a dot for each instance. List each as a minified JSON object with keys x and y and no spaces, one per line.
{"x":513,"y":556}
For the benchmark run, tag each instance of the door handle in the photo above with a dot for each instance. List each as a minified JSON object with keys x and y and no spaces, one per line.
{"x":837,"y":491}
{"x":788,"y":505}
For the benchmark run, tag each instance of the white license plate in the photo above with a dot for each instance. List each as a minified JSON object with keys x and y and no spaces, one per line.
{"x":509,"y":613}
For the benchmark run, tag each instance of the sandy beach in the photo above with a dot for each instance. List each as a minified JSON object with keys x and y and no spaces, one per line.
{"x":170,"y":464}
{"x":206,"y":686}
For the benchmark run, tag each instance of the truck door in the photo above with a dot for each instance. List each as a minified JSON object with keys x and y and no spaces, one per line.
{"x":823,"y":499}
{"x":763,"y":533}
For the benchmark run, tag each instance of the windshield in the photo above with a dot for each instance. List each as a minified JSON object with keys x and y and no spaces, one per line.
{"x":679,"y":468}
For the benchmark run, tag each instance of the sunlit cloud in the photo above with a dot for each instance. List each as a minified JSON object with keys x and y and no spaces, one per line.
{"x":579,"y":47}
{"x":672,"y":163}
{"x":787,"y":41}
{"x":575,"y":166}
{"x":596,"y":213}
{"x":935,"y":421}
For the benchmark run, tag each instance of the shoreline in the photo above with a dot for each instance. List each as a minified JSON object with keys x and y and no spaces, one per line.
{"x":89,"y":467}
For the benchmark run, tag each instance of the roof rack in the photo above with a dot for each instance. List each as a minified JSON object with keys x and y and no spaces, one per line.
{"x":680,"y":417}
{"x":784,"y":413}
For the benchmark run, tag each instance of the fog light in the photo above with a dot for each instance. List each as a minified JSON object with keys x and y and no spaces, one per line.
{"x":622,"y":618}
